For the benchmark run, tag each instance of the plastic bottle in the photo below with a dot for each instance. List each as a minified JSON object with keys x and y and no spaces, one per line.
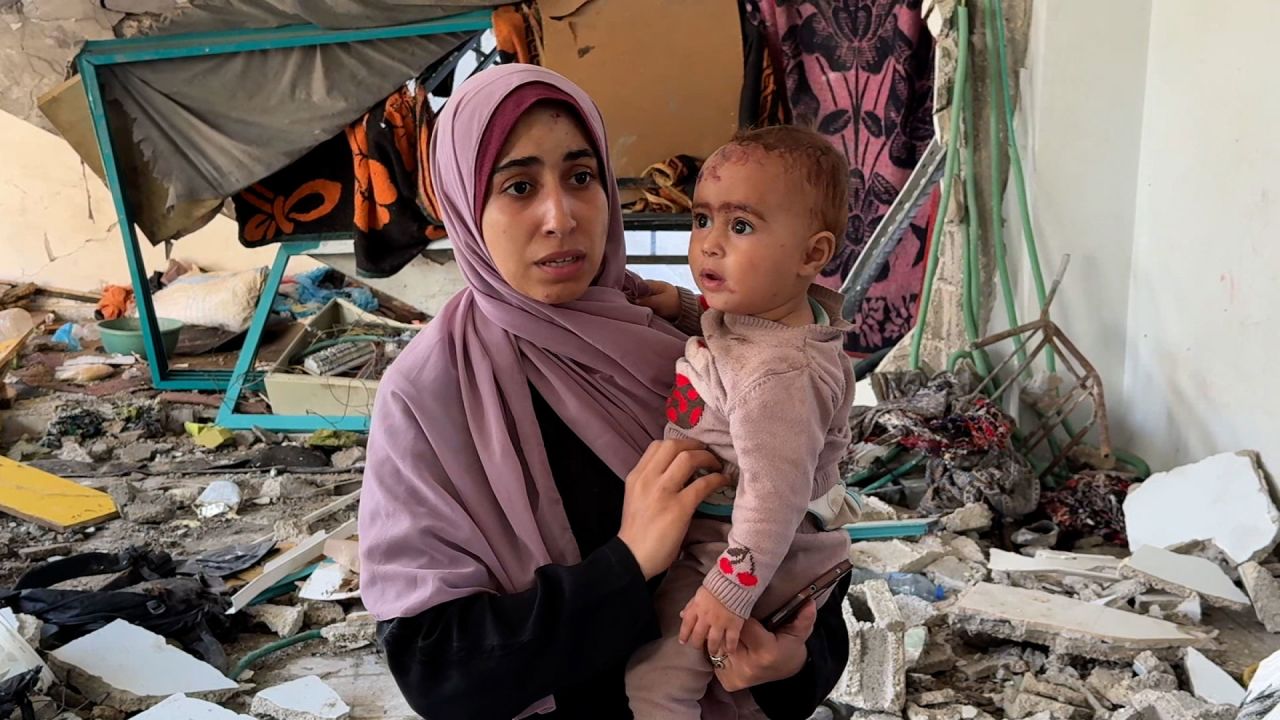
{"x":14,"y":323}
{"x":902,"y":583}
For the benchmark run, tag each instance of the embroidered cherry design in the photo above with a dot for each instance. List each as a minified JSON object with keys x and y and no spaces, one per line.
{"x":738,"y":557}
{"x":685,"y":405}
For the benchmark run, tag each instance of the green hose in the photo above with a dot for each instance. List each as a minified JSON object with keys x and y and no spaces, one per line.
{"x":1135,"y":462}
{"x":996,"y":17}
{"x":896,"y":473}
{"x":274,"y":647}
{"x":994,"y":110}
{"x":935,"y":248}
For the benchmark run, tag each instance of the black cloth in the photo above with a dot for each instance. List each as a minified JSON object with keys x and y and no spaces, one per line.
{"x":572,"y":632}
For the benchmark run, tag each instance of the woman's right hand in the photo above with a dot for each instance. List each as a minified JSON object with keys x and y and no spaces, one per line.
{"x":659,"y":500}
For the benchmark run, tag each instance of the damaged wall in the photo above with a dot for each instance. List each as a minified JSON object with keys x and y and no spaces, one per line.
{"x":1203,"y":321}
{"x":60,"y":226}
{"x":1150,"y":159}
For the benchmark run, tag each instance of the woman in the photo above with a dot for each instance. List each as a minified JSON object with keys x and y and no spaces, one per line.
{"x":509,"y":565}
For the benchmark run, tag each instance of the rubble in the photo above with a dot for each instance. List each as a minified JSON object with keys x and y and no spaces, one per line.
{"x":974,"y":517}
{"x":181,"y":707}
{"x":154,"y":671}
{"x":1209,"y":682}
{"x":1178,"y":705}
{"x":348,"y":458}
{"x":892,"y":556}
{"x":1184,"y":575}
{"x":1239,"y":515}
{"x":283,"y":620}
{"x":320,"y":614}
{"x":358,"y":630}
{"x":307,"y":698}
{"x":1264,"y":592}
{"x":1062,"y":624}
{"x":877,"y":683}
{"x":220,"y":497}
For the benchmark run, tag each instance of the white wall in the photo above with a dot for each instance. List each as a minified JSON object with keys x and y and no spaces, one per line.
{"x":58,"y":223}
{"x":1203,"y":327}
{"x":1079,"y":127}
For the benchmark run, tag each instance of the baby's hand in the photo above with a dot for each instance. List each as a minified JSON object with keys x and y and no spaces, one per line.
{"x":663,"y":299}
{"x":707,"y":620}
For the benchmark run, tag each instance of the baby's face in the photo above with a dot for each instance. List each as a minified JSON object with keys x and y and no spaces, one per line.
{"x":752,"y":225}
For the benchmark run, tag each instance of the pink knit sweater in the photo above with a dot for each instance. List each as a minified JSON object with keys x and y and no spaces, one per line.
{"x":772,"y":402}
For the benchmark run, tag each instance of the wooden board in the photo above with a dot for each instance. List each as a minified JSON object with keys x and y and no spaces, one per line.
{"x":49,"y":500}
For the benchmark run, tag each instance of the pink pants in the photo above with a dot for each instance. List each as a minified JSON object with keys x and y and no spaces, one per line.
{"x":668,"y":680}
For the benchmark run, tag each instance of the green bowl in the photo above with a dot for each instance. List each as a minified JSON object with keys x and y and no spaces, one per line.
{"x":123,"y":336}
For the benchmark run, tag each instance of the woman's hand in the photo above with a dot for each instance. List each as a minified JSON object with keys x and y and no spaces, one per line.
{"x":663,"y":299}
{"x":764,"y":657}
{"x":658,"y":505}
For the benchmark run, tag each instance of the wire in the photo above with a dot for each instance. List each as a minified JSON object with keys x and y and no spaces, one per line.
{"x":274,"y":647}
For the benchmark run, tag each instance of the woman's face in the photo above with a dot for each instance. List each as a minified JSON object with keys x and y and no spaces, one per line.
{"x":546,"y":217}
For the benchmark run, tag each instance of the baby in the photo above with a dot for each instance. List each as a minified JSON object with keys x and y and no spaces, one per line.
{"x":768,"y":389}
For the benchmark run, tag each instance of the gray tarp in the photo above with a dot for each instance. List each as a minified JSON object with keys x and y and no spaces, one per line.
{"x":211,"y":126}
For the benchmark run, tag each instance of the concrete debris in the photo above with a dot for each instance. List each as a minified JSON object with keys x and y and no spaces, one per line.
{"x":1184,"y":575}
{"x":1178,"y":705}
{"x":1054,"y":691}
{"x":141,"y":452}
{"x":1040,"y":534}
{"x":44,"y":552}
{"x":1209,"y":682}
{"x":1238,"y":515}
{"x":1023,"y":705}
{"x":916,"y":611}
{"x":154,"y":671}
{"x":181,"y":707}
{"x":1147,"y":663}
{"x":1063,"y":624}
{"x":892,"y":556}
{"x":879,"y":682}
{"x":974,"y":517}
{"x":914,"y":642}
{"x":307,"y":698}
{"x":348,"y":458}
{"x":1264,"y":592}
{"x":283,"y":620}
{"x":282,"y":487}
{"x":938,"y":656}
{"x":1053,"y":562}
{"x":331,"y":582}
{"x":320,"y":614}
{"x":357,"y":631}
{"x":1123,"y":693}
{"x":967,"y":548}
{"x":955,"y":574}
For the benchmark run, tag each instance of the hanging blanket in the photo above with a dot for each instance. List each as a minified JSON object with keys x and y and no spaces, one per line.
{"x":861,"y":72}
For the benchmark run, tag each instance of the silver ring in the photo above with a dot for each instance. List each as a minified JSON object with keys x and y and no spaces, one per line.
{"x":717,"y":661}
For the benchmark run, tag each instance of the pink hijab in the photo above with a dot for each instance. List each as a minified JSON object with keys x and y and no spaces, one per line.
{"x":458,"y":496}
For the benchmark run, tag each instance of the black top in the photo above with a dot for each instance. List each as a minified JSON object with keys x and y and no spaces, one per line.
{"x":571,"y":633}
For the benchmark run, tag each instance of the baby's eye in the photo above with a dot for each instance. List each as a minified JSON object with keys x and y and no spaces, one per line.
{"x":701,"y":221}
{"x":742,"y":227}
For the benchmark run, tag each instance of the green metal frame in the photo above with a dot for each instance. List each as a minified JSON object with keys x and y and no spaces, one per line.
{"x":96,"y":54}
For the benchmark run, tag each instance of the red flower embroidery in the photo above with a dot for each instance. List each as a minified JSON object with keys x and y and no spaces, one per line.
{"x":684,"y":405}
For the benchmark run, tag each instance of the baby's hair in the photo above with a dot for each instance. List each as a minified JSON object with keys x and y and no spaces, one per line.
{"x":823,"y":168}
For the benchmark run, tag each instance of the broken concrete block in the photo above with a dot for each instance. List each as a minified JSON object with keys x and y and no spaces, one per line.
{"x":1024,"y":705}
{"x":880,"y":603}
{"x":74,"y":452}
{"x":1178,"y":705}
{"x":1209,"y":682}
{"x":349,"y":458}
{"x":948,"y":712}
{"x":955,"y":574}
{"x":141,"y":452}
{"x":307,"y":698}
{"x":181,"y":707}
{"x":967,"y":549}
{"x":938,"y":657}
{"x":1054,"y":691}
{"x":283,"y":487}
{"x":1122,"y":694}
{"x":44,"y":552}
{"x":1223,"y":498}
{"x":891,"y":556}
{"x":154,"y":671}
{"x":30,"y":628}
{"x":1147,"y":663}
{"x":879,"y":681}
{"x":1102,"y":678}
{"x":147,"y":508}
{"x":283,"y":620}
{"x":1056,"y":563}
{"x":320,"y":614}
{"x":100,"y":450}
{"x":1264,"y":591}
{"x":1184,"y":575}
{"x":973,"y":517}
{"x":357,"y":631}
{"x":1063,"y":624}
{"x":915,"y":611}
